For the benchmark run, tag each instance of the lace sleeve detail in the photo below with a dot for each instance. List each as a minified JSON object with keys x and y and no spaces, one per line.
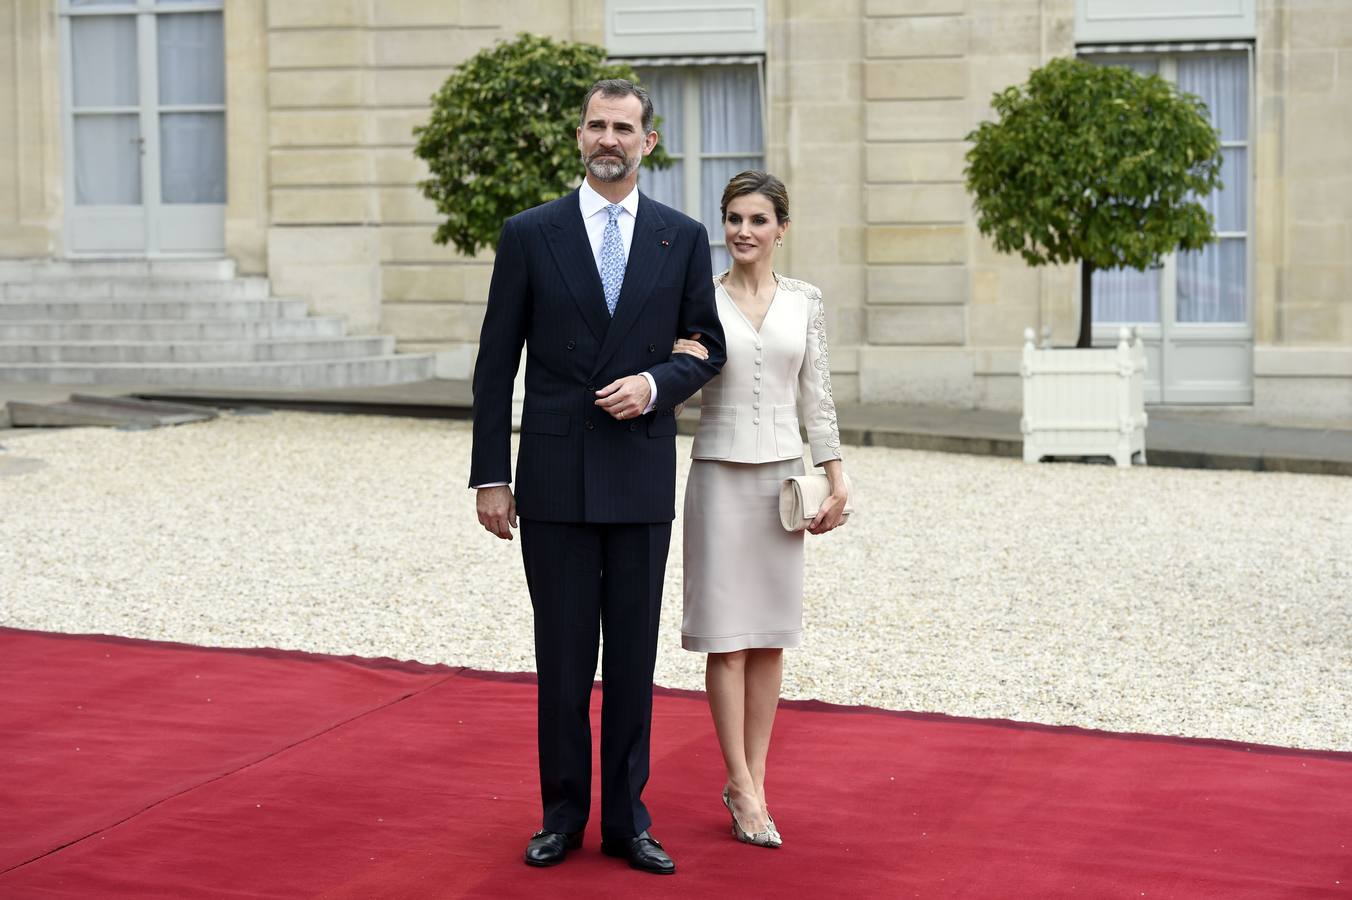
{"x":817,"y":403}
{"x":823,"y":366}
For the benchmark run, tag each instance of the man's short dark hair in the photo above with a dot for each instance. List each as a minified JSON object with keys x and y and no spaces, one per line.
{"x":618,"y":87}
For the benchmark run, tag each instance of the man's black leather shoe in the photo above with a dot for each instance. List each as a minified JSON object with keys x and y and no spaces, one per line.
{"x":643,"y":852}
{"x":549,"y":848}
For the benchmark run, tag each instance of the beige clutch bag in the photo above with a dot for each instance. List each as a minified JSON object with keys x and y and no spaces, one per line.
{"x":802,"y":495}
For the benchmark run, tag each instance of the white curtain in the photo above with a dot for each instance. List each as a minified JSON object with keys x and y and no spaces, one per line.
{"x":731,"y":139}
{"x":192,"y":157}
{"x":730,"y":110}
{"x":103,"y":61}
{"x":666,"y":90}
{"x":103,"y":75}
{"x":1221,"y":80}
{"x":192,"y":73}
{"x":1127,"y":295}
{"x":107,"y":160}
{"x":191,"y":59}
{"x":1230,"y":204}
{"x":1212,"y":282}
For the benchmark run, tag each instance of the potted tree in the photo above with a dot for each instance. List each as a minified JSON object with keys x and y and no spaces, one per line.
{"x":1104,"y":167}
{"x":501,"y":137}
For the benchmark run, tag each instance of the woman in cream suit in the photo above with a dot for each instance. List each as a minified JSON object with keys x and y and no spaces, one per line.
{"x":743,"y":571}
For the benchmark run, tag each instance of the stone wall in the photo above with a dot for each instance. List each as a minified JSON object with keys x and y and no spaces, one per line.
{"x":1305,"y":103}
{"x":347,"y":81}
{"x":1303,"y":212}
{"x":30,"y":130}
{"x":815,"y":144}
{"x":945,"y":312}
{"x":246,"y":130}
{"x":917,"y":85}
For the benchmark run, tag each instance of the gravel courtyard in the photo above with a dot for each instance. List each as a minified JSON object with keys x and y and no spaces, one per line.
{"x":1212,"y":604}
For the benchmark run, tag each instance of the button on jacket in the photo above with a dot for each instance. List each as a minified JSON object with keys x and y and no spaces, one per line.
{"x":773,"y":379}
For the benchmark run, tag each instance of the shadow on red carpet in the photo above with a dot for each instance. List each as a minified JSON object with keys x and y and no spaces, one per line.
{"x":142,"y":769}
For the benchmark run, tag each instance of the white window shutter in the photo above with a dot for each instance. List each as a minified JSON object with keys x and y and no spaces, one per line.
{"x":1114,"y":21}
{"x":672,"y":27}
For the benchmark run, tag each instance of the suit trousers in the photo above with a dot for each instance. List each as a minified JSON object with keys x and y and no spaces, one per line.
{"x":586,"y":579}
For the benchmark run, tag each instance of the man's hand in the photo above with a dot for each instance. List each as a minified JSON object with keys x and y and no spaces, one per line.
{"x":497,"y":510}
{"x":625,"y":398}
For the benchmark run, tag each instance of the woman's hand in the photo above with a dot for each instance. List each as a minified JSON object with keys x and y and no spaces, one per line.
{"x":690,"y":346}
{"x":832,"y":512}
{"x":830,"y":516}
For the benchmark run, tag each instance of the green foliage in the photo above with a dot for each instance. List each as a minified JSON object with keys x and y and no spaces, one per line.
{"x":1094,"y":163}
{"x":502,"y":134}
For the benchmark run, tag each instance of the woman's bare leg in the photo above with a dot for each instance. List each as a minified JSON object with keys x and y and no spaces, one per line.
{"x":725,"y":680}
{"x":764,"y":674}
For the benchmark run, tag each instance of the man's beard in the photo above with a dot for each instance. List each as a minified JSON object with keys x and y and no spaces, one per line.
{"x":610,"y":168}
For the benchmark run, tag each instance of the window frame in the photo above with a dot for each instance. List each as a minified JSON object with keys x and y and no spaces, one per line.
{"x":691,"y":154}
{"x":1167,"y":57}
{"x":151,"y":227}
{"x":129,"y":7}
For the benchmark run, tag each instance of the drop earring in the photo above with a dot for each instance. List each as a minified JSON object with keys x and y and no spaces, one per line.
{"x":779,"y":242}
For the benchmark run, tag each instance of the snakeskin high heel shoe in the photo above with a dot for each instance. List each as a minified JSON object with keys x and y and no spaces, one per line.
{"x":768,"y":838}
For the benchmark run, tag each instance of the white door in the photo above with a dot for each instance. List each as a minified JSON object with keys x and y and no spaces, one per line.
{"x":144,"y":118}
{"x":1194,"y":311}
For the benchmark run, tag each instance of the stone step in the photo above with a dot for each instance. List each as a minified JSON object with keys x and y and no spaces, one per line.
{"x":147,"y":330}
{"x":83,"y":410}
{"x":136,"y":289}
{"x":276,"y":350}
{"x":358,"y":372}
{"x":49,"y":310}
{"x":204,"y":269}
{"x":187,"y":323}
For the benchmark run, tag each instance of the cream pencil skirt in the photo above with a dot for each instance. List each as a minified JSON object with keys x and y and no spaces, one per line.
{"x":743,"y":572}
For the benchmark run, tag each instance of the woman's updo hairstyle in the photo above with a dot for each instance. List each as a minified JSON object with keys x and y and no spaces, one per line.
{"x":756,"y":182}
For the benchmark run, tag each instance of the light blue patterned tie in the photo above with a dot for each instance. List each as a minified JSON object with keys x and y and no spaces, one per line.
{"x":612,"y":258}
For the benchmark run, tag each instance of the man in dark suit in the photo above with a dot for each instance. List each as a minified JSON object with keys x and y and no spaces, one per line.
{"x":597,"y":285}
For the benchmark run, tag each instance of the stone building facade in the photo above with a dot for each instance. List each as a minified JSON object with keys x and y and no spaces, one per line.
{"x":864,"y":105}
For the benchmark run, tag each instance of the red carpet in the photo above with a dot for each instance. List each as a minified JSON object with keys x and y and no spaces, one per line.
{"x":221,"y":773}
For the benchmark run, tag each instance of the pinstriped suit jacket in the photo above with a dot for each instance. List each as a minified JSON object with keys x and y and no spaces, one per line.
{"x":575,"y":463}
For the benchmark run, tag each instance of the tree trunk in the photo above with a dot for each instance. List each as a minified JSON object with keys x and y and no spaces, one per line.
{"x":1086,"y":305}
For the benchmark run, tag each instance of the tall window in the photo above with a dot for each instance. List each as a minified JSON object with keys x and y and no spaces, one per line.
{"x":144,"y":122}
{"x":712,"y":126}
{"x":1212,"y":282}
{"x":1208,"y":285}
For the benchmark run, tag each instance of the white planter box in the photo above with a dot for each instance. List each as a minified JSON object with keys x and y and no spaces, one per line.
{"x":1084,"y":402}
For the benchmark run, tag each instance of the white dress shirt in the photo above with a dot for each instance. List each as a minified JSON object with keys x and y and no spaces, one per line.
{"x":595,"y":217}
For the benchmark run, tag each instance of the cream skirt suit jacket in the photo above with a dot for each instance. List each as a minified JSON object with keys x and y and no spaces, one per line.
{"x":743,"y":572}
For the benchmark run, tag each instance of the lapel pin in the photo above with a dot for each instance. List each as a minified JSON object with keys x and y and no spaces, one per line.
{"x":666,"y":243}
